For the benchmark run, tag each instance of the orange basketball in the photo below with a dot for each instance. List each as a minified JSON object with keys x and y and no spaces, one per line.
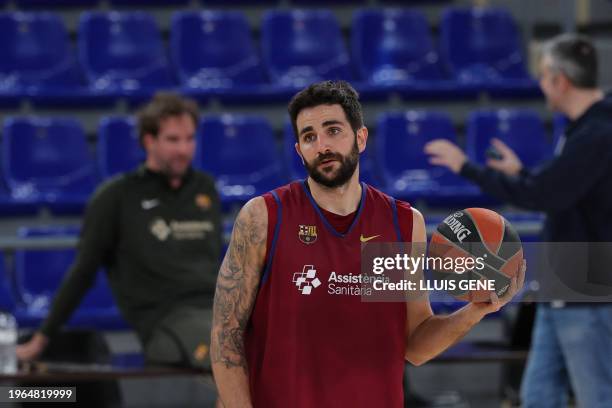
{"x":479,"y":245}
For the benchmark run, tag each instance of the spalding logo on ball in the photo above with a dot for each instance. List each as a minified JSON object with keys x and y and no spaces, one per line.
{"x":482,"y":235}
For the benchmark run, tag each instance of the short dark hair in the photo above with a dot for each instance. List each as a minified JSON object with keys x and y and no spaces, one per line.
{"x":575,"y":56}
{"x":328,"y":93}
{"x":162,"y":106}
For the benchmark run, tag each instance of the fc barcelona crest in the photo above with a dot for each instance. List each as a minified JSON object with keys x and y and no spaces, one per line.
{"x":307,"y":233}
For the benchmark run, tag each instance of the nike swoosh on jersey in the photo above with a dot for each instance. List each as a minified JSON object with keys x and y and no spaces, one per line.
{"x":366,"y":239}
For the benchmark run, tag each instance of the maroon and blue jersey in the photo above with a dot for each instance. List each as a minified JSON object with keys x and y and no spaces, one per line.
{"x":311,"y":340}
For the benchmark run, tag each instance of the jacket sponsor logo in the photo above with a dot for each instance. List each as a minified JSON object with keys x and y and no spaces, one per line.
{"x":203,"y":201}
{"x":180,"y":229}
{"x":160,"y":229}
{"x":307,"y":233}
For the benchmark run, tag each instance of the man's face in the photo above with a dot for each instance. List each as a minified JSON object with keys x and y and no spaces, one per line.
{"x":551,"y":83}
{"x":328,"y":145}
{"x":174,"y":147}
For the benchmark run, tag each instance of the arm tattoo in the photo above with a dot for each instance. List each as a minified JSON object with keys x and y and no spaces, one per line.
{"x":237,"y":286}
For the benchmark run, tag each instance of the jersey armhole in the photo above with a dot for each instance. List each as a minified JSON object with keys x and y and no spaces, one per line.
{"x":273,"y":206}
{"x":404,"y":219}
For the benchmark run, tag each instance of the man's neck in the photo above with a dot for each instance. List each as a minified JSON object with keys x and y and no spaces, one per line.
{"x":174,"y":182}
{"x":341,"y":200}
{"x":580,"y":101}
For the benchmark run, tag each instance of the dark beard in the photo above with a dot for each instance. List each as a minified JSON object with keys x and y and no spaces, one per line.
{"x":348,"y":164}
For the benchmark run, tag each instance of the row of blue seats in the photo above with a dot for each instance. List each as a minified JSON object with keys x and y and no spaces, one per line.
{"x":27,"y":289}
{"x":224,"y":3}
{"x":157,"y":3}
{"x":47,"y":162}
{"x":213,"y":54}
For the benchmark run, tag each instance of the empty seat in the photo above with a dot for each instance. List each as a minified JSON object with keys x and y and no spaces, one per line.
{"x":36,"y":55}
{"x":213,"y":52}
{"x":327,"y":2}
{"x":482,"y":46}
{"x":236,"y":3}
{"x":407,"y":173}
{"x":56,"y":3}
{"x":10,"y":206}
{"x":39,"y":274}
{"x":154,"y":3}
{"x":7,"y":299}
{"x":391,"y":46}
{"x":241,"y":152}
{"x":296,"y":170}
{"x":123,"y":52}
{"x":303,"y":46}
{"x":48,"y":160}
{"x":119,"y":149}
{"x":522,"y":130}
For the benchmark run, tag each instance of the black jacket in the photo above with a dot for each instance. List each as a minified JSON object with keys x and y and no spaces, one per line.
{"x":160,"y":247}
{"x":574,"y":188}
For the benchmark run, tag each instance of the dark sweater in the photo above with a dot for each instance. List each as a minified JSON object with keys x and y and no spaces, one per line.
{"x":160,"y":246}
{"x":574,"y":188}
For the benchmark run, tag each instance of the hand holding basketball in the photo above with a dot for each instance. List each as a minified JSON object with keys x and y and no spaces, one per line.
{"x":496,"y":303}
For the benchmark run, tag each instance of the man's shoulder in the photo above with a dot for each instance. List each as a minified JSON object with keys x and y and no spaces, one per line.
{"x":116,"y":185}
{"x":597,"y":129}
{"x":112,"y":185}
{"x":378,"y":194}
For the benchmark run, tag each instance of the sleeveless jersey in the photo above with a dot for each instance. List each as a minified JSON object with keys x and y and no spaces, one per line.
{"x":311,"y":341}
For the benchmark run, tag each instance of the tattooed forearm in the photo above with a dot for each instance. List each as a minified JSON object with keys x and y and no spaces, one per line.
{"x":237,"y":285}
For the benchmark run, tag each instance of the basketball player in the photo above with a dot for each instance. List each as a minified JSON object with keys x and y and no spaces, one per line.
{"x":572,"y":342}
{"x":162,"y":278}
{"x":278,"y":344}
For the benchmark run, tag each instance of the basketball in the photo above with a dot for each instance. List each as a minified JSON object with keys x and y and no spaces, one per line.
{"x":481,"y":245}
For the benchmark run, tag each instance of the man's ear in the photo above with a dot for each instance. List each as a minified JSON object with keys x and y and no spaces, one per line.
{"x":563,"y":82}
{"x":362,"y":138}
{"x":147,"y":140}
{"x":299,"y":152}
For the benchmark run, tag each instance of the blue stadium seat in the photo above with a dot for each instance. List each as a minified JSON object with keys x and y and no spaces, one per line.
{"x":56,"y":3}
{"x":482,"y":47}
{"x":36,"y":58}
{"x":153,"y":3}
{"x":303,"y":46}
{"x":10,"y":206}
{"x":392,"y":46}
{"x":295,"y":169}
{"x":7,"y":299}
{"x":407,"y":173}
{"x":48,"y":160}
{"x":241,"y":152}
{"x":119,"y":149}
{"x":521,"y":129}
{"x":238,"y":3}
{"x":214,"y":54}
{"x":123,"y":52}
{"x":39,"y":274}
{"x":327,"y":3}
{"x":393,"y":49}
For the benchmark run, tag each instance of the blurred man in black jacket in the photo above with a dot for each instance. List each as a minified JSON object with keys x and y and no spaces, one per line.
{"x":572,"y":343}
